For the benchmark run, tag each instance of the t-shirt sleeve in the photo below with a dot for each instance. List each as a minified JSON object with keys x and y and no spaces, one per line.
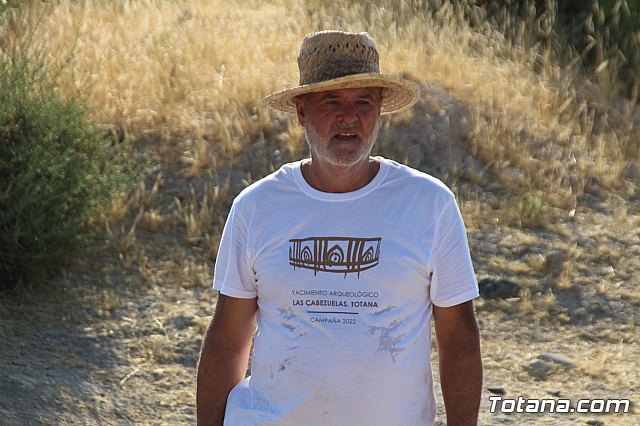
{"x":233,"y":274}
{"x":453,"y":281}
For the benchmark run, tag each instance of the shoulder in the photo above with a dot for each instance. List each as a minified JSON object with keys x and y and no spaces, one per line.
{"x":416,"y":181}
{"x":282,"y":180}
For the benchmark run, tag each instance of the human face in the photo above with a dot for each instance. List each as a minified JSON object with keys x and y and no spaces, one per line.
{"x":341,"y":126}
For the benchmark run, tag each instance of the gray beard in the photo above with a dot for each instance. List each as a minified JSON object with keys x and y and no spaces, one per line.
{"x":321,"y":147}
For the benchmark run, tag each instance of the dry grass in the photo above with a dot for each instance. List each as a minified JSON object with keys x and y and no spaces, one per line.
{"x":184,"y":81}
{"x":172,"y":69}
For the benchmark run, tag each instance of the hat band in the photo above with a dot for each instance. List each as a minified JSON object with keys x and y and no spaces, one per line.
{"x":339,"y":68}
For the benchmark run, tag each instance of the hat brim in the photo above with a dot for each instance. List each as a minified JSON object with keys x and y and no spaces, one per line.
{"x":397,"y":93}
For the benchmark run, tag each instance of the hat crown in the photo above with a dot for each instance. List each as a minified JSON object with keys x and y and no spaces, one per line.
{"x":326,"y":55}
{"x":334,"y":60}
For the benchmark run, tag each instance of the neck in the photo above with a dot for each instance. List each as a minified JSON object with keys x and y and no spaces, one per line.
{"x":337,"y":179}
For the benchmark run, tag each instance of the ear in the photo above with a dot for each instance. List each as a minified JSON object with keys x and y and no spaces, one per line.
{"x":299,"y":109}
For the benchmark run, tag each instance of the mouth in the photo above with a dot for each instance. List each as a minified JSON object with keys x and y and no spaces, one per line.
{"x":346,"y":136}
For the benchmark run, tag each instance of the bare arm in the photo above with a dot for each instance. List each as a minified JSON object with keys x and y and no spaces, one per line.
{"x":224,"y":356}
{"x":460,"y":362}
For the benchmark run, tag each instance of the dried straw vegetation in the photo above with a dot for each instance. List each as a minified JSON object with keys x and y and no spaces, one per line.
{"x":535,"y":141}
{"x":188,"y":80}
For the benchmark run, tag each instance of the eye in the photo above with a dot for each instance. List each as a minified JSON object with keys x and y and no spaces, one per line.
{"x":365,"y":103}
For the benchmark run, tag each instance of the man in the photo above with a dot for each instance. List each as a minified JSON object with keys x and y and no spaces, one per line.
{"x":343,"y":259}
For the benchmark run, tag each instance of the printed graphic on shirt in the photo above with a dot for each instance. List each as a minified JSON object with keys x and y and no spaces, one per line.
{"x":321,"y":301}
{"x":341,"y":255}
{"x":334,"y":309}
{"x":342,"y":308}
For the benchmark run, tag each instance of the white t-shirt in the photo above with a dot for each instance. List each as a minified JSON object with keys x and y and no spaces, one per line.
{"x":345,"y":284}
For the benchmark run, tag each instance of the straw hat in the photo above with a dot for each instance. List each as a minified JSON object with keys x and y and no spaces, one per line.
{"x":331,"y":60}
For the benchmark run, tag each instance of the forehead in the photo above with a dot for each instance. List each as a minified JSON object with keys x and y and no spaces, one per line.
{"x":374,"y":93}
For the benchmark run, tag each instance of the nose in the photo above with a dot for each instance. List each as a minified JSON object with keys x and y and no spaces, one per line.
{"x":348,"y":114}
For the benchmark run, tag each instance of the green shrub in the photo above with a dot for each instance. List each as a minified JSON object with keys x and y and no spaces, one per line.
{"x":533,"y":208}
{"x":54,"y":173}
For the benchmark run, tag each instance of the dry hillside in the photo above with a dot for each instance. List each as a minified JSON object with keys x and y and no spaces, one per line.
{"x":543,"y":161}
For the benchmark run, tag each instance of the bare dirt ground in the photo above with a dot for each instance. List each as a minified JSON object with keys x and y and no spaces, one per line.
{"x":116,"y":340}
